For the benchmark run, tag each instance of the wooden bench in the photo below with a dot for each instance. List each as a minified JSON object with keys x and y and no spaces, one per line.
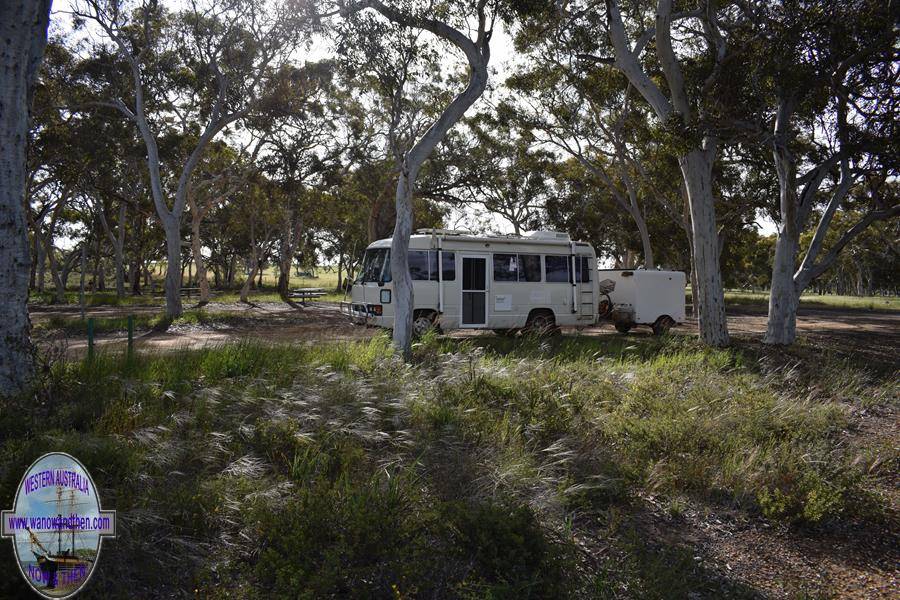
{"x":304,"y":294}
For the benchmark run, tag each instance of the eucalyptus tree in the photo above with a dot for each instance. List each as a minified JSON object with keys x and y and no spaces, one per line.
{"x":258,"y":213}
{"x":341,"y":228}
{"x":52,"y":168}
{"x":304,"y":135}
{"x":193,"y":73}
{"x":46,"y":201}
{"x":582,"y":206}
{"x":23,"y":36}
{"x":821,"y":96}
{"x":111,"y":180}
{"x":674,"y":60}
{"x":222,"y":172}
{"x":464,"y":27}
{"x":594,"y":119}
{"x":497,"y":168}
{"x":866,"y":267}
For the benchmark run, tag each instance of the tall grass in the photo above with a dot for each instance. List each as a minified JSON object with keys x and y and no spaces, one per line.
{"x":334,"y":470}
{"x":812,"y":300}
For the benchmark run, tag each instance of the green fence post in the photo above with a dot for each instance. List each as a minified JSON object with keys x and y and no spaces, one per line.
{"x":90,"y":325}
{"x":130,"y":335}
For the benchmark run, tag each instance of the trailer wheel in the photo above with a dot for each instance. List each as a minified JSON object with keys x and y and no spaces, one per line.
{"x":663,"y":325}
{"x":605,"y":307}
{"x":542,"y":323}
{"x":423,"y":322}
{"x":623,"y":326}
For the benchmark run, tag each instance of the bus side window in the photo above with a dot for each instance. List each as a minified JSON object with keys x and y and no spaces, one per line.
{"x":582,"y":269}
{"x":506,"y":267}
{"x":556,"y":268}
{"x":432,"y":265}
{"x":530,"y":268}
{"x":449,"y":266}
{"x":418,"y":265}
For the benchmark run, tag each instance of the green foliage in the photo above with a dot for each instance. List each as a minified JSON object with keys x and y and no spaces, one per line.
{"x":336,"y":471}
{"x":664,"y":416}
{"x":375,"y":538}
{"x":814,"y":300}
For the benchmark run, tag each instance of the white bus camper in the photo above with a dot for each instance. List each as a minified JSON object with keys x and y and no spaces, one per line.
{"x":538,"y":282}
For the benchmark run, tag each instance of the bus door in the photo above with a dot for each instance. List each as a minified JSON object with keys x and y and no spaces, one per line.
{"x":474,"y":291}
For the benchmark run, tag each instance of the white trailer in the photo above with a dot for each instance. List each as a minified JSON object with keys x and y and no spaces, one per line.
{"x":646,"y":297}
{"x":540,"y":282}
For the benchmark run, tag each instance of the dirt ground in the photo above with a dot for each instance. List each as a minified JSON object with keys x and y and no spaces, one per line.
{"x":873,"y":336}
{"x":772,"y":560}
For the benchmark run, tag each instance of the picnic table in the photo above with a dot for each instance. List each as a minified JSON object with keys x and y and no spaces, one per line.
{"x":158,"y":289}
{"x":304,"y":294}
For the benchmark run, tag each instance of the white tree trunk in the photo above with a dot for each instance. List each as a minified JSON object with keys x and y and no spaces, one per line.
{"x":292,"y":228}
{"x":709,"y":297}
{"x":23,"y":35}
{"x":173,"y":268}
{"x":403,"y":290}
{"x":784,"y":297}
{"x":59,"y":287}
{"x":696,"y":166}
{"x":245,"y":289}
{"x":118,"y":243}
{"x":478,"y":55}
{"x":199,"y":263}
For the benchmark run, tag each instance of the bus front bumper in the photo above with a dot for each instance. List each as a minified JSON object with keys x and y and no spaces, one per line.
{"x":361,"y":314}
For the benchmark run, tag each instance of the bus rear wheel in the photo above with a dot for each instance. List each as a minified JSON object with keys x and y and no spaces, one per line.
{"x":423,"y":322}
{"x":542,"y":323}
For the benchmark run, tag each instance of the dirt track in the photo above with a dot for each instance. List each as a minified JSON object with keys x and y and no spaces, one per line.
{"x":872,"y":335}
{"x":866,"y":335}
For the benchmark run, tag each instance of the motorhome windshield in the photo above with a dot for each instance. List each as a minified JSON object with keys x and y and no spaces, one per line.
{"x":376,"y":266}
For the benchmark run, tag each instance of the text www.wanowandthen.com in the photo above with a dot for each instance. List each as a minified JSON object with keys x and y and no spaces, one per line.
{"x":57,"y":523}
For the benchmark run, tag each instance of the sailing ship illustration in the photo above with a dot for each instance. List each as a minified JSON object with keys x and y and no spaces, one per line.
{"x":66,"y":567}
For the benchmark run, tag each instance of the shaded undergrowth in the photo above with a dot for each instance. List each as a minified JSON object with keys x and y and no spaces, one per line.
{"x":483,"y":469}
{"x":144,"y":321}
